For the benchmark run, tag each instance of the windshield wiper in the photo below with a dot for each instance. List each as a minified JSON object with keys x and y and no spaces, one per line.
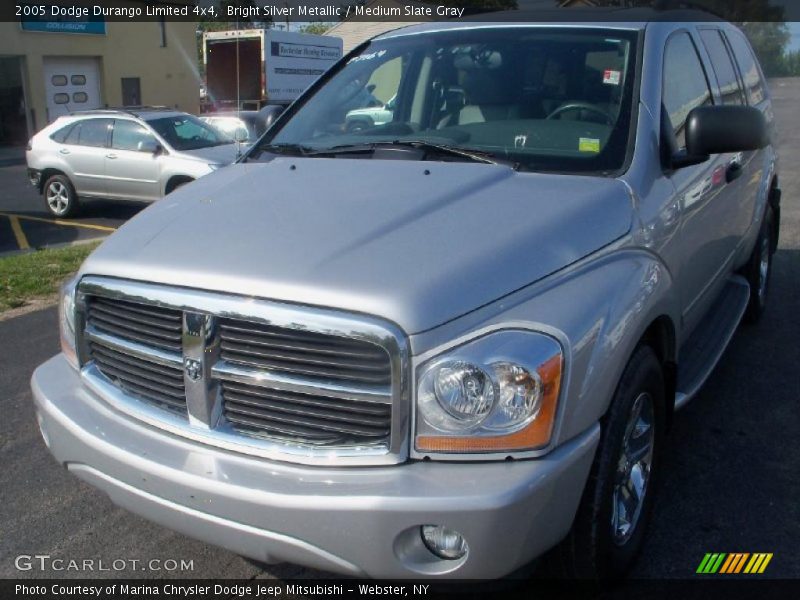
{"x":423,"y":145}
{"x":284,"y":149}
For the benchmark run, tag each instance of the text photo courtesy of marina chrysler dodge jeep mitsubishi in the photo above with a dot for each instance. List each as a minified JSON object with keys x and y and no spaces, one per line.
{"x":442,"y":337}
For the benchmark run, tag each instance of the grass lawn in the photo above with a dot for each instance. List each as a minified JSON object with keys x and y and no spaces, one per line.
{"x":24,"y":277}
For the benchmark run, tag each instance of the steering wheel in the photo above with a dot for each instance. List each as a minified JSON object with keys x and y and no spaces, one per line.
{"x":570,"y":106}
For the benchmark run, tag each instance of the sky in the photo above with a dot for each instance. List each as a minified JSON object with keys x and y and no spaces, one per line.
{"x":794,"y":29}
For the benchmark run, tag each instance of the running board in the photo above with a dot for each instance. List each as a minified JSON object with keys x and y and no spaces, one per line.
{"x":701,"y":352}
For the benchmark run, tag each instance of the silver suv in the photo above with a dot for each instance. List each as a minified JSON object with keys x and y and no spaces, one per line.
{"x":443,"y":345}
{"x":122,"y":154}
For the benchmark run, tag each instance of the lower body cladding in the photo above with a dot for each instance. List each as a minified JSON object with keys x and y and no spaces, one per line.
{"x":359,"y":521}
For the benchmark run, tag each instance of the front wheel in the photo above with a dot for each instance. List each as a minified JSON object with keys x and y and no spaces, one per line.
{"x":610,"y":526}
{"x":60,"y":197}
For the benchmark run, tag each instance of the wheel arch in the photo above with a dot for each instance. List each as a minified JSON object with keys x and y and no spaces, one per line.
{"x":174,"y":181}
{"x":48,"y":173}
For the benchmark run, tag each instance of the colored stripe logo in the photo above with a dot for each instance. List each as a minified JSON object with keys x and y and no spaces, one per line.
{"x":733,"y":563}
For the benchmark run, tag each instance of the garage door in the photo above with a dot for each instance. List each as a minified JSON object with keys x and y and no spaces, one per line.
{"x":71,"y":83}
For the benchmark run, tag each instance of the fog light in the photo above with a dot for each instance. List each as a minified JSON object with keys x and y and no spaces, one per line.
{"x":443,"y":542}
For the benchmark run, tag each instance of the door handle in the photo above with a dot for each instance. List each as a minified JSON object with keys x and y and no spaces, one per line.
{"x":64,"y":151}
{"x":111,"y":156}
{"x":734,"y":171}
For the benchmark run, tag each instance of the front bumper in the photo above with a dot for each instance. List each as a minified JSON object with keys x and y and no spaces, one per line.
{"x":360,"y":521}
{"x":35,"y":177}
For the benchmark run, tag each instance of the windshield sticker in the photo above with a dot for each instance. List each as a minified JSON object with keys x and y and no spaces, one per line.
{"x":363,"y":57}
{"x":589,"y":145}
{"x":612,"y":77}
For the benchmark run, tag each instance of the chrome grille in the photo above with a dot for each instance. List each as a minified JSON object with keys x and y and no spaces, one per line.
{"x":162,"y":385}
{"x":155,"y":326}
{"x":304,"y":353}
{"x":315,"y":419}
{"x":306,"y":385}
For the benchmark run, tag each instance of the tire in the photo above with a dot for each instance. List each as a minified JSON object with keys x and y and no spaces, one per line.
{"x":600,"y":547}
{"x":758,"y":270}
{"x":60,"y":197}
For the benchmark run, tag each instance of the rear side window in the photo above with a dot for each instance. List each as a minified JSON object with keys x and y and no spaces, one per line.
{"x":61,"y":135}
{"x":93,"y":132}
{"x":685,"y":85}
{"x":748,"y":66}
{"x":129,"y":135}
{"x":729,"y":87}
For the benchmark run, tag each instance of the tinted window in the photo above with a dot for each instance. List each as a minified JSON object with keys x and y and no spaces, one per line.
{"x":685,"y":84}
{"x":129,"y":135}
{"x":747,"y":65}
{"x":723,"y":67}
{"x":74,"y":134}
{"x":61,"y":135}
{"x":94,"y":132}
{"x":185,"y":132}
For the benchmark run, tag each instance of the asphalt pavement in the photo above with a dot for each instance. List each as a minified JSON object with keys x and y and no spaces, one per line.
{"x":26,"y":224}
{"x":731,"y":473}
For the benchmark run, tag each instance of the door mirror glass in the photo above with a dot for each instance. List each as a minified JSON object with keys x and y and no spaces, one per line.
{"x":150,"y":145}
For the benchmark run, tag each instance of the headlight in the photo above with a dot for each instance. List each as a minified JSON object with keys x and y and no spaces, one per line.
{"x":66,"y":319}
{"x":495,"y":394}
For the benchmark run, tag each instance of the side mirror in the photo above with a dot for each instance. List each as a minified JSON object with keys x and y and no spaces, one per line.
{"x":270,"y":113}
{"x":720,"y":129}
{"x":150,"y":146}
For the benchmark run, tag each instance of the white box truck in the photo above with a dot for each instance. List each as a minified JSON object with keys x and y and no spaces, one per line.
{"x":250,"y":68}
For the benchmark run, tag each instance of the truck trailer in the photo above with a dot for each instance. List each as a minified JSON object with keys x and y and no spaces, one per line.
{"x":249,"y":68}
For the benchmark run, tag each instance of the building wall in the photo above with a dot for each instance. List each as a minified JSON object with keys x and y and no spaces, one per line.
{"x":168,"y":74}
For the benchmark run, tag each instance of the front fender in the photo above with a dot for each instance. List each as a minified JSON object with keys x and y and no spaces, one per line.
{"x":599,"y":310}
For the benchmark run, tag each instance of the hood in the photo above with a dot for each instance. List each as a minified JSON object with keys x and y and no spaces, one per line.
{"x":418,"y":243}
{"x":221,"y":155}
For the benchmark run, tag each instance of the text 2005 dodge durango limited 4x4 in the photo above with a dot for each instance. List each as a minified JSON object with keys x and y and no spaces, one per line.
{"x":445,"y":344}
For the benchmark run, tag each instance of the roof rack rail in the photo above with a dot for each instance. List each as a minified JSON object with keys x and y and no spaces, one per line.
{"x":131,"y":110}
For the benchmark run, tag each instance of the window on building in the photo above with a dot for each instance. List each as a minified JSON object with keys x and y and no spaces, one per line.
{"x":727,"y":79}
{"x":129,"y":135}
{"x":78,"y":80}
{"x":61,"y":98}
{"x":685,"y":85}
{"x":58,"y":80}
{"x":94,"y":132}
{"x":80,"y":97}
{"x":748,"y":67}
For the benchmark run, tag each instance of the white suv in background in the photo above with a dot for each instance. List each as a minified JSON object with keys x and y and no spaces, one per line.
{"x":122,"y":154}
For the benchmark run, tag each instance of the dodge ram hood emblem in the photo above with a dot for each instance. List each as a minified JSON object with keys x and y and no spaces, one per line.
{"x":192,"y":368}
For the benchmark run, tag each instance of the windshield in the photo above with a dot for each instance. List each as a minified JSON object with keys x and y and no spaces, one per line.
{"x":550,"y":99}
{"x":185,"y":132}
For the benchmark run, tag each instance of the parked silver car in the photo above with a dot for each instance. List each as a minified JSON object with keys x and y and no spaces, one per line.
{"x":122,"y":154}
{"x":444,"y":345}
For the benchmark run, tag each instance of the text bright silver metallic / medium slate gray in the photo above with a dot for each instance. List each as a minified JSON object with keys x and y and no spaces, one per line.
{"x":444,"y":344}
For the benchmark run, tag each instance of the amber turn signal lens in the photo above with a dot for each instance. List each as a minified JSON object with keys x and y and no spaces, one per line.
{"x":535,"y":435}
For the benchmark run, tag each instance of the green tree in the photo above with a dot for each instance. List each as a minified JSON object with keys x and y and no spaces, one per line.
{"x":315,"y":28}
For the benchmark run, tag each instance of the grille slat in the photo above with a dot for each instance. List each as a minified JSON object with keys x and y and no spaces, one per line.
{"x":154,"y":326}
{"x":289,"y":344}
{"x":304,"y":352}
{"x":367,"y":408}
{"x":138,"y":318}
{"x":140,"y":370}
